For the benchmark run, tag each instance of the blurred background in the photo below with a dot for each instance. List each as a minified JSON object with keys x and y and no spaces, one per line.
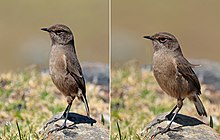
{"x":194,"y":23}
{"x":25,"y":85}
{"x":23,"y":43}
{"x":136,"y":98}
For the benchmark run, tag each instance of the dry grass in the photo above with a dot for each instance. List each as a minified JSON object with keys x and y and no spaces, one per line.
{"x":136,"y":99}
{"x":30,"y":99}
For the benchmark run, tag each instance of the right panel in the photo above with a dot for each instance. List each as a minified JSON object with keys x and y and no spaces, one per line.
{"x":165,"y":66}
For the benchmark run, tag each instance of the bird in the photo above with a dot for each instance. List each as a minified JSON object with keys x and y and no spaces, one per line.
{"x":174,"y":74}
{"x":65,"y":69}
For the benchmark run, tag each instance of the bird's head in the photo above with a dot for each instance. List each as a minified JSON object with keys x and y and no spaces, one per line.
{"x":164,"y":40}
{"x":59,"y":34}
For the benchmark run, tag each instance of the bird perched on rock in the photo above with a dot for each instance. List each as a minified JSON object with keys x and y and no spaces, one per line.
{"x":174,"y":74}
{"x":65,"y":70}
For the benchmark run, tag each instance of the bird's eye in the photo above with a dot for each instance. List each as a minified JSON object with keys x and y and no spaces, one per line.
{"x":162,"y":40}
{"x":58,"y":31}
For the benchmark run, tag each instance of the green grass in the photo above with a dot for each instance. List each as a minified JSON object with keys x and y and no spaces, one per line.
{"x":29,"y":98}
{"x":136,"y":99}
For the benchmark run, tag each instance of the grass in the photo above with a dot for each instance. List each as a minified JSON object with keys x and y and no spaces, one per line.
{"x":29,"y":98}
{"x":136,"y":99}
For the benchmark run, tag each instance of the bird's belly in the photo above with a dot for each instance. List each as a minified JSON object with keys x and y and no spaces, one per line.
{"x":169,"y":80}
{"x":61,"y":78}
{"x":66,"y":84}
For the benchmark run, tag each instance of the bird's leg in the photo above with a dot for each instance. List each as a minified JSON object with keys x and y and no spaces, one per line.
{"x":167,"y":116}
{"x":171,"y":112}
{"x":164,"y":130}
{"x":65,"y":116}
{"x":159,"y":120}
{"x":57,"y":119}
{"x":66,"y":113}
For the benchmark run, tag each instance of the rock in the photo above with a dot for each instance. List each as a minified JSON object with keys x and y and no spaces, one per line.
{"x":84,"y":130}
{"x":190,"y":128}
{"x":96,"y":73}
{"x":208,"y":73}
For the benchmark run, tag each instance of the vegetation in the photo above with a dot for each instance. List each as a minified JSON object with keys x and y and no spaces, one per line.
{"x":29,"y":98}
{"x":136,"y":99}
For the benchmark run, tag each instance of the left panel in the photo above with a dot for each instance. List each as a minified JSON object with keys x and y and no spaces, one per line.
{"x":54,"y":69}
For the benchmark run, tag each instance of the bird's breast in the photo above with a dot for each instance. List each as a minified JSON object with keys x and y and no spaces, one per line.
{"x":165,"y":72}
{"x":59,"y":73}
{"x":164,"y":63}
{"x":57,"y":63}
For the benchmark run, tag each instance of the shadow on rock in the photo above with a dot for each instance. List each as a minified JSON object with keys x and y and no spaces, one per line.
{"x":86,"y":128}
{"x":190,"y":128}
{"x":78,"y":118}
{"x":185,"y":120}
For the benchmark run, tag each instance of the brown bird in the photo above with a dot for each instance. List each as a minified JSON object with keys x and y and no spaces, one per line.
{"x":65,"y":70}
{"x":174,"y":74}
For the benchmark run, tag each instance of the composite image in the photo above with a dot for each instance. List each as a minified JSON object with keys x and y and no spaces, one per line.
{"x":110,"y":70}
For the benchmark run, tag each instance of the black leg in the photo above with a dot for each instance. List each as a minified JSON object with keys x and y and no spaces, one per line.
{"x":159,"y":120}
{"x":164,"y":130}
{"x":57,"y":119}
{"x":171,"y":112}
{"x":64,"y":116}
{"x":66,"y":113}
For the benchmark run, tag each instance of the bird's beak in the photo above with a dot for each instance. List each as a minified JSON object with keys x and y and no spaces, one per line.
{"x":45,"y":29}
{"x":148,"y":37}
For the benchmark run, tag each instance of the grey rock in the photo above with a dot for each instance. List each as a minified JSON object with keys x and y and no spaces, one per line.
{"x":96,"y":73}
{"x":190,"y":128}
{"x":84,"y":130}
{"x":208,"y":73}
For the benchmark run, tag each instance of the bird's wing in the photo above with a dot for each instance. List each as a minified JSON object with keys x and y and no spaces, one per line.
{"x":76,"y":72}
{"x":185,"y":68}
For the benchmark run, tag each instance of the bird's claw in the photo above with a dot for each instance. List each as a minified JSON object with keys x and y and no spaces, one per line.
{"x":161,"y":131}
{"x":164,"y":130}
{"x":157,"y":122}
{"x":52,"y":121}
{"x":72,"y":126}
{"x":153,"y":124}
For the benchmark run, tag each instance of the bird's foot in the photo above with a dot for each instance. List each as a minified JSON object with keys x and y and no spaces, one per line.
{"x":164,"y":130}
{"x":53,"y":120}
{"x":158,"y":121}
{"x":72,"y":126}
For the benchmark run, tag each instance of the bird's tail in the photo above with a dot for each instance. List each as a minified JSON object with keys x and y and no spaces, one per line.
{"x":198,"y":104}
{"x":86,"y":104}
